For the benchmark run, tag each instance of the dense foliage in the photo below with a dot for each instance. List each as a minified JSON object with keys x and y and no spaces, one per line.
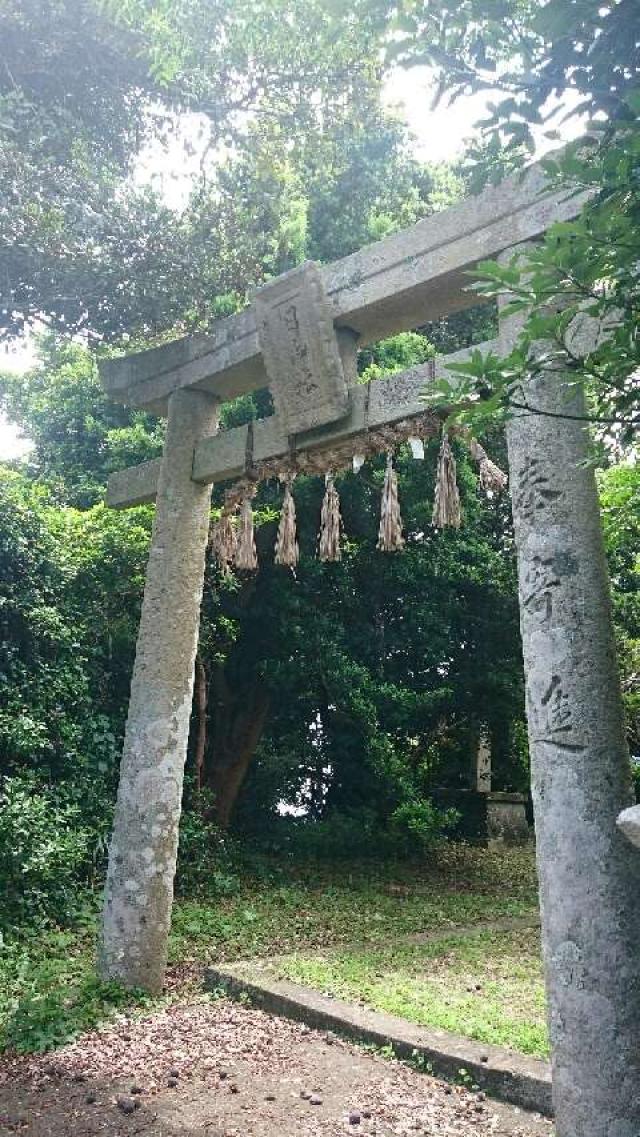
{"x":548,"y":63}
{"x":71,"y":589}
{"x":374,"y":674}
{"x":366,"y":729}
{"x":620,"y":506}
{"x":358,"y":684}
{"x":346,"y":691}
{"x":96,"y":92}
{"x":379,"y":670}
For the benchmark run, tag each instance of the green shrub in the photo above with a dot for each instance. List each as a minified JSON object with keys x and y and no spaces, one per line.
{"x":412,"y":828}
{"x":206,"y":855}
{"x":417,"y":823}
{"x":49,"y":992}
{"x":45,"y":851}
{"x":338,"y":836}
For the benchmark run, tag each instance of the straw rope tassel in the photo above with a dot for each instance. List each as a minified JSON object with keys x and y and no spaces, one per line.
{"x":246,"y":556}
{"x":390,"y":539}
{"x":446,"y":503}
{"x":287,"y":551}
{"x":492,"y":478}
{"x":224,"y":540}
{"x":330,"y":523}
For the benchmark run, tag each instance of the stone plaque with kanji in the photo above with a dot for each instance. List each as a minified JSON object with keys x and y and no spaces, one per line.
{"x":300,"y":350}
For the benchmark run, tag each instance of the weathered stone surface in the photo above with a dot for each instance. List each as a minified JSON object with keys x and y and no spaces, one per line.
{"x":226,"y":452}
{"x":396,"y":284}
{"x":507,"y":818}
{"x":136,"y":485}
{"x":142,"y":856}
{"x":231,"y":352}
{"x":589,"y":875}
{"x":223,"y":456}
{"x":483,"y":762}
{"x":300,"y":350}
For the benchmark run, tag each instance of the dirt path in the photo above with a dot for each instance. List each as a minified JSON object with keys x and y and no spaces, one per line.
{"x":221,"y":1070}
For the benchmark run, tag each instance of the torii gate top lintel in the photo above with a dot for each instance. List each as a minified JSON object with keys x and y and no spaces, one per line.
{"x":418,"y":274}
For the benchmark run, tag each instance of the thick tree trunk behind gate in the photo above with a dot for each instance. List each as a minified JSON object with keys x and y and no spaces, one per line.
{"x":589,"y":874}
{"x":200,"y":701}
{"x":239,"y":720}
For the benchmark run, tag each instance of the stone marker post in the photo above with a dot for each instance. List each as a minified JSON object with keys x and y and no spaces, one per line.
{"x":482,"y":764}
{"x":589,"y":874}
{"x":142,"y":856}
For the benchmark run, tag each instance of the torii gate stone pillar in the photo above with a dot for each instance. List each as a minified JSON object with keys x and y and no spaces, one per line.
{"x":581,"y":777}
{"x":142,"y":857}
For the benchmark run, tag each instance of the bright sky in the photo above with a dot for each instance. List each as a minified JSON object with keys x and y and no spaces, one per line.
{"x":12,"y":445}
{"x":440,"y":133}
{"x":439,"y":136}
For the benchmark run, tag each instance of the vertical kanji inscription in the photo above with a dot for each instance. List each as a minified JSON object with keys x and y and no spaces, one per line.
{"x":300,"y":350}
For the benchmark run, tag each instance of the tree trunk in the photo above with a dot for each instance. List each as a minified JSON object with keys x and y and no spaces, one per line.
{"x":201,"y":706}
{"x":239,"y":720}
{"x":142,"y":857}
{"x":589,"y":875}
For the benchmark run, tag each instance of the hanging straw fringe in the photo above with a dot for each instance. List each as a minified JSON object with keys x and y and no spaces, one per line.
{"x":287,"y":551}
{"x":224,"y":540}
{"x":246,"y":557}
{"x":330,"y":523}
{"x":390,"y":539}
{"x":446,"y":504}
{"x":492,"y":478}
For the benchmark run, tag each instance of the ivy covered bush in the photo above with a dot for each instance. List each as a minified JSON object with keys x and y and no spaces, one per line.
{"x":70,"y":590}
{"x":45,"y":850}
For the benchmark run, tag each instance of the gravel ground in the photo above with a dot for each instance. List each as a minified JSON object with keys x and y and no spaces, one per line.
{"x":223,"y":1070}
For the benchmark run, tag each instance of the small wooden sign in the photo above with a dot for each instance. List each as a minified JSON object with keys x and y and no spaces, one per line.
{"x":300,"y":350}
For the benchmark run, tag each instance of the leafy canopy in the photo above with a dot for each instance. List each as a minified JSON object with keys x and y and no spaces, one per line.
{"x":82,"y":247}
{"x":550,"y":62}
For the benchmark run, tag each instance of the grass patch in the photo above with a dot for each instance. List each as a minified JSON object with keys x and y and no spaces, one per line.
{"x":486,"y":986}
{"x":285,"y":907}
{"x":49,"y":993}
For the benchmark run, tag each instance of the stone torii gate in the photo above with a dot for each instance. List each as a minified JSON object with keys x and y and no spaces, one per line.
{"x":300,"y":337}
